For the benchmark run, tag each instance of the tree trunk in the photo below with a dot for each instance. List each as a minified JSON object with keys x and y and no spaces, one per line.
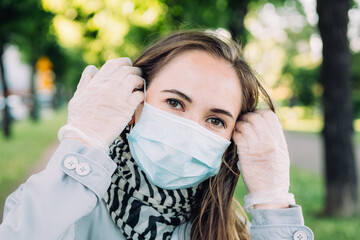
{"x":34,"y":110}
{"x":6,"y":120}
{"x":340,"y":167}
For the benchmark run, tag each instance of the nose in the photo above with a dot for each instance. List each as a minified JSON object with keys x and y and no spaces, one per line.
{"x":195,"y":117}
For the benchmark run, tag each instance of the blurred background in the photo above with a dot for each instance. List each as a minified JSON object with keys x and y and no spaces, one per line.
{"x":307,"y":53}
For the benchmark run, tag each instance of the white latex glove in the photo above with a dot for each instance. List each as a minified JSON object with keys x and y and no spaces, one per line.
{"x":263,"y":159}
{"x":103,"y":103}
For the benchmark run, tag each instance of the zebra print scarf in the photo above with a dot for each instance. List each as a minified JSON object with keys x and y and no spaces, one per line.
{"x":139,"y":208}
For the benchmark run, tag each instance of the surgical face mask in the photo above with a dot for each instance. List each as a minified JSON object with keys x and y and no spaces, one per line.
{"x":175,"y":152}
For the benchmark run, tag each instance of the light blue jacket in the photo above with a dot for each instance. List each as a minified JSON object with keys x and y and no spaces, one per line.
{"x":65,"y":202}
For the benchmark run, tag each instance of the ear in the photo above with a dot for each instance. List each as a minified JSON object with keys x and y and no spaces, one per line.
{"x":135,"y":118}
{"x":132,"y":121}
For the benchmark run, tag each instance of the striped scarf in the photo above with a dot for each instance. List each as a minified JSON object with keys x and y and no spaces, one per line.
{"x":139,"y":208}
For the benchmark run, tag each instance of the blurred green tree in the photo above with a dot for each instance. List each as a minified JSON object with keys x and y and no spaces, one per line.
{"x":279,"y":48}
{"x":227,"y":14}
{"x":30,"y":33}
{"x":13,"y":16}
{"x":306,"y":79}
{"x":9,"y":17}
{"x":355,"y":72}
{"x":101,"y":30}
{"x":25,"y":24}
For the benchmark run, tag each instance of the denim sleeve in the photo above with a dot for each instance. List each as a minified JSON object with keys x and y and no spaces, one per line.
{"x":287,"y":223}
{"x":48,"y":204}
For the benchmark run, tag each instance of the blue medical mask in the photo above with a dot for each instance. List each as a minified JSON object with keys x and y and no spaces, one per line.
{"x":175,"y":152}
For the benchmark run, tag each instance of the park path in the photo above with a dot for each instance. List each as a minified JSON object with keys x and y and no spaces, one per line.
{"x":306,"y":151}
{"x":43,"y":160}
{"x":38,"y":167}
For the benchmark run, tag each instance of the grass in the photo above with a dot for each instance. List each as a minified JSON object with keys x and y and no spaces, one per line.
{"x":309,"y":192}
{"x":23,"y":149}
{"x":357,"y":137}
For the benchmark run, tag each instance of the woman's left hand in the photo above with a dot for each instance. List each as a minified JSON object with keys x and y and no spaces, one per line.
{"x":263,"y":159}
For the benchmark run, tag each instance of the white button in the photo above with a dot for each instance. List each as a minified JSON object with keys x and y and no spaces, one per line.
{"x":82,"y":169}
{"x":71,"y":162}
{"x":300,"y":235}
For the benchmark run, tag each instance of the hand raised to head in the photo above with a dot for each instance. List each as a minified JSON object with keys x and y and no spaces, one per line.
{"x":104,"y":103}
{"x":263,"y":158}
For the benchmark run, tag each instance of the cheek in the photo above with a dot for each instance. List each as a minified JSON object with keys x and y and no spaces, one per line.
{"x":225,"y":133}
{"x":229,"y":131}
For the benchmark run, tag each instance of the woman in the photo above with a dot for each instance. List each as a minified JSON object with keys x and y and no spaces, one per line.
{"x":172,"y":172}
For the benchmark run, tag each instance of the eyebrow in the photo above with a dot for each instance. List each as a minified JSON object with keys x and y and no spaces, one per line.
{"x":221,"y":111}
{"x":182,"y":95}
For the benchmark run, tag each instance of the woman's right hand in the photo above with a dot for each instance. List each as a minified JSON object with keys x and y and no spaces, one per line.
{"x":104,"y":103}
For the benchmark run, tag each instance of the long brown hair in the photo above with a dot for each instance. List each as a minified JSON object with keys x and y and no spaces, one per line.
{"x":213,"y":214}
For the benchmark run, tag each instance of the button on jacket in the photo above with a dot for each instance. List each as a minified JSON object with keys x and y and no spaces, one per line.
{"x":64,"y":201}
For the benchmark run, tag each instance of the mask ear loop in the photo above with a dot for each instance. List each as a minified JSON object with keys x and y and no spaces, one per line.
{"x":144,"y":91}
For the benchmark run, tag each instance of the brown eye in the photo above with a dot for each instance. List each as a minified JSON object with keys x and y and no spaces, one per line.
{"x":174,"y":104}
{"x":217,"y":122}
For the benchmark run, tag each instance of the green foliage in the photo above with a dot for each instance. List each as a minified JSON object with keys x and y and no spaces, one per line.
{"x":306,"y":87}
{"x":110,"y":29}
{"x":102,"y":30}
{"x":25,"y":24}
{"x":212,"y":13}
{"x":303,"y":85}
{"x":13,"y":16}
{"x":309,"y":191}
{"x":72,"y":33}
{"x":355,"y":70}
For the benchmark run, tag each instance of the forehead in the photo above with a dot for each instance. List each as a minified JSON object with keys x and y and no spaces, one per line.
{"x":206,"y":78}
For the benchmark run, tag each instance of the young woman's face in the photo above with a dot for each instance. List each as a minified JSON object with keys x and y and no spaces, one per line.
{"x":200,"y":87}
